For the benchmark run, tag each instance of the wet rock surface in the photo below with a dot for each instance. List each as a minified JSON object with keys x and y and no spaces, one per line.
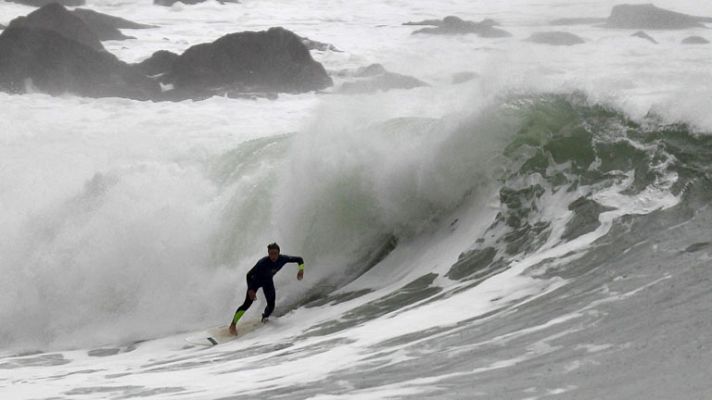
{"x":647,"y":16}
{"x":452,"y":25}
{"x":46,"y":61}
{"x":555,"y":38}
{"x":275,"y":60}
{"x":105,"y":26}
{"x":54,"y":17}
{"x":160,"y":62}
{"x":375,"y":78}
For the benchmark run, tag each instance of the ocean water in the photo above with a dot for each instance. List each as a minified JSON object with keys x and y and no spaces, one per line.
{"x":539,"y":232}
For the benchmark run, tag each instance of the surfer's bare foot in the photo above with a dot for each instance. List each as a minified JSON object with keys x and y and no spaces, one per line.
{"x":233,"y":330}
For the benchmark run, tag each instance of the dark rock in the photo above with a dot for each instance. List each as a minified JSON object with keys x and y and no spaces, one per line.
{"x":577,"y":21}
{"x":452,"y":20}
{"x":54,"y":17}
{"x":647,"y":16}
{"x":42,"y":3}
{"x":375,"y":78}
{"x":98,"y":21}
{"x":2,"y":26}
{"x":160,"y":62}
{"x":456,"y":26}
{"x":555,"y":38}
{"x":320,"y":46}
{"x":102,"y":29}
{"x":429,"y":22}
{"x":169,"y":3}
{"x":695,"y":40}
{"x":44,"y":60}
{"x":462,"y":77}
{"x":275,"y":60}
{"x":645,"y":36}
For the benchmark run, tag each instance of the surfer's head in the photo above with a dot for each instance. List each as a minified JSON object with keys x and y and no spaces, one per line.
{"x":273,"y":251}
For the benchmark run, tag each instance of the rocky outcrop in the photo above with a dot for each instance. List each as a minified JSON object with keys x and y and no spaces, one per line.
{"x":53,"y":51}
{"x":106,"y":27}
{"x":86,"y":26}
{"x":320,"y":46}
{"x":643,"y":35}
{"x":275,"y":60}
{"x":42,"y":3}
{"x":695,"y":40}
{"x":452,"y":25}
{"x":93,"y":17}
{"x":647,"y":16}
{"x":169,"y":3}
{"x":159,"y":63}
{"x":555,"y":38}
{"x":43,"y":60}
{"x":54,"y":17}
{"x":432,"y":22}
{"x":375,"y":78}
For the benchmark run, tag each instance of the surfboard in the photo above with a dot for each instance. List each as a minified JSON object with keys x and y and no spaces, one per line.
{"x":221,"y":334}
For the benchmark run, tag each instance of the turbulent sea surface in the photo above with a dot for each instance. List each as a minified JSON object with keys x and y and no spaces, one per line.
{"x":539,"y":232}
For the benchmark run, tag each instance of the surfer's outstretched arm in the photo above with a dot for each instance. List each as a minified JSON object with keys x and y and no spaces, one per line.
{"x":299,"y":261}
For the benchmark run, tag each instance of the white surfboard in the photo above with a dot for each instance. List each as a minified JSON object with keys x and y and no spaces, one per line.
{"x":221,"y":334}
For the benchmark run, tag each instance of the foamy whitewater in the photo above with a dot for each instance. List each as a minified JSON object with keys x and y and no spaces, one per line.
{"x":538,"y":232}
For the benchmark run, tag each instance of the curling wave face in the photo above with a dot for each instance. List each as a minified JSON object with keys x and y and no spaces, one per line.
{"x":139,"y":241}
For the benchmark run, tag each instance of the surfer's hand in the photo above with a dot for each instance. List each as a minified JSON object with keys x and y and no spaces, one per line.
{"x":252,"y":294}
{"x":300,"y":275}
{"x":233,"y":330}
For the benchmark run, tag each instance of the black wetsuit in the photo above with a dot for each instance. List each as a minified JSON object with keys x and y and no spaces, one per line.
{"x":260,"y":276}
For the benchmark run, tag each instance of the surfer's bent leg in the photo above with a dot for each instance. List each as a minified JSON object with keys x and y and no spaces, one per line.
{"x":248,"y":302}
{"x":269,"y":292}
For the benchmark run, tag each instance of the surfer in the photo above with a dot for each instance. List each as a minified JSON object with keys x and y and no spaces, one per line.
{"x":260,"y":276}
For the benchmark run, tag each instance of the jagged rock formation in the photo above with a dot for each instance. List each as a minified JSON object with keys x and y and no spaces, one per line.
{"x":106,"y":27}
{"x":375,"y":78}
{"x":33,"y":59}
{"x":275,"y":60}
{"x":647,"y":16}
{"x":54,"y":17}
{"x":452,"y":25}
{"x":160,"y":62}
{"x":320,"y":46}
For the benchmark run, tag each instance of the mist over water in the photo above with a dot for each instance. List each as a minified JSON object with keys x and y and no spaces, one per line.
{"x":142,"y":235}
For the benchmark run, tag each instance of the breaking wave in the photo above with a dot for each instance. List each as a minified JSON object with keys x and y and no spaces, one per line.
{"x":158,"y":248}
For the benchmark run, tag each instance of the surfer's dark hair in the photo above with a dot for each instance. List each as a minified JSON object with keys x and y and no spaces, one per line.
{"x":272,"y":246}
